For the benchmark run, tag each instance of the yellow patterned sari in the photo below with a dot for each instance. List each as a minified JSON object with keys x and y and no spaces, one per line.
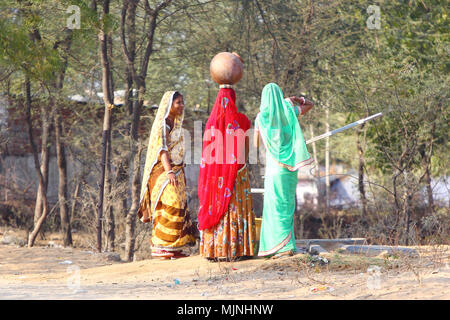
{"x":161,"y":202}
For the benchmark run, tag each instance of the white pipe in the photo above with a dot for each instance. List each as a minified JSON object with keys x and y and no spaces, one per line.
{"x":348,"y":126}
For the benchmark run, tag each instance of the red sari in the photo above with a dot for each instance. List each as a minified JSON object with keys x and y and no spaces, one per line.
{"x":223,"y":155}
{"x":226,"y":218}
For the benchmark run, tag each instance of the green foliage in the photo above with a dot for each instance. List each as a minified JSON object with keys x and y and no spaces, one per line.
{"x":18,"y":51}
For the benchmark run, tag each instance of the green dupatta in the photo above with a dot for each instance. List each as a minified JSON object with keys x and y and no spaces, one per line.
{"x":280,"y":130}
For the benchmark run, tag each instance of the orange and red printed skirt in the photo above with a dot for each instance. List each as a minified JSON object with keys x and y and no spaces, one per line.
{"x":235,"y":234}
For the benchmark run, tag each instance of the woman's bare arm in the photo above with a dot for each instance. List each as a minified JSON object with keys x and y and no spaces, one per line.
{"x":165,"y":159}
{"x":256,"y":138}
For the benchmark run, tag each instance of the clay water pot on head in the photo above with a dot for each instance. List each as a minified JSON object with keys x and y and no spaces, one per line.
{"x":226,"y":68}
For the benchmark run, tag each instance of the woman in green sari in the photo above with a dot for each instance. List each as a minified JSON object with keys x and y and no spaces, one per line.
{"x":277,"y":125}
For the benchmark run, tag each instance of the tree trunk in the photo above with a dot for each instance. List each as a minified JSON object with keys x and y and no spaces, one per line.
{"x":62,"y":186}
{"x":429,"y":190}
{"x":75,"y":196}
{"x":60,"y":146}
{"x":45,"y":159}
{"x":136,"y":182}
{"x":317,"y":166}
{"x":109,"y":214}
{"x":42,"y":183}
{"x":327,"y":163}
{"x":105,"y":135}
{"x":407,"y":206}
{"x":129,"y":21}
{"x":426,"y":163}
{"x":395,"y":195}
{"x":362,"y":191}
{"x":108,"y":101}
{"x":123,"y":167}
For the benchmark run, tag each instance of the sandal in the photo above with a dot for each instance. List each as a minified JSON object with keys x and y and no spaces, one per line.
{"x":211,"y":259}
{"x":163,"y":254}
{"x":179,"y":254}
{"x":282,"y":254}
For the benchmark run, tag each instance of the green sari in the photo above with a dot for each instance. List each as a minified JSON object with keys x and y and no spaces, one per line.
{"x":286,"y":152}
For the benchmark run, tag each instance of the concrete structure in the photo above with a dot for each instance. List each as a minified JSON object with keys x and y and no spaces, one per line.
{"x":343,"y":188}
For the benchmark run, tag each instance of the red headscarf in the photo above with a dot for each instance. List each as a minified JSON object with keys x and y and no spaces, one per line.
{"x":222,"y":156}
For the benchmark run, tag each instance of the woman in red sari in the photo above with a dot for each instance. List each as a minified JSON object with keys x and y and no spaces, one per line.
{"x":226,"y":218}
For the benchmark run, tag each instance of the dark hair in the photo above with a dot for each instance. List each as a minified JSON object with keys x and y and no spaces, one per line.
{"x":176,"y":95}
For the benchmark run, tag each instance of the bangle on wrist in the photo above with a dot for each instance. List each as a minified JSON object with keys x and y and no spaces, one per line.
{"x":169,"y":172}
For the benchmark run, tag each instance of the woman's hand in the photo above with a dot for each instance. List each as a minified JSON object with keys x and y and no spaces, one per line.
{"x":172,"y":179}
{"x":305,"y":104}
{"x":300,"y":100}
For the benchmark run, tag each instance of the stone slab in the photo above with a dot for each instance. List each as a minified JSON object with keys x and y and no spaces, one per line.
{"x":330,"y":244}
{"x":376,"y":250}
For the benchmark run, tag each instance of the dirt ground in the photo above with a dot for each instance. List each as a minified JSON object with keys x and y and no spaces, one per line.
{"x":66,"y":273}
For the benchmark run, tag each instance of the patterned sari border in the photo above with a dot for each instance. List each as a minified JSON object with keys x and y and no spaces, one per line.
{"x":171,"y":248}
{"x":276,"y":248}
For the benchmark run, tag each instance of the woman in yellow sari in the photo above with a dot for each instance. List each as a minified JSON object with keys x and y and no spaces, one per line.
{"x":163,"y":192}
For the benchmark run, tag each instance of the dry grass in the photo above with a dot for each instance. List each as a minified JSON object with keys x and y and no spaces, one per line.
{"x":336,"y":262}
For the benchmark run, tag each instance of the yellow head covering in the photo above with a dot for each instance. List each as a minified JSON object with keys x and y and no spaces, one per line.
{"x":158,"y":141}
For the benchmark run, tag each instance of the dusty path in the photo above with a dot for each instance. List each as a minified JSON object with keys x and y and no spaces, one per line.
{"x":45,"y":273}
